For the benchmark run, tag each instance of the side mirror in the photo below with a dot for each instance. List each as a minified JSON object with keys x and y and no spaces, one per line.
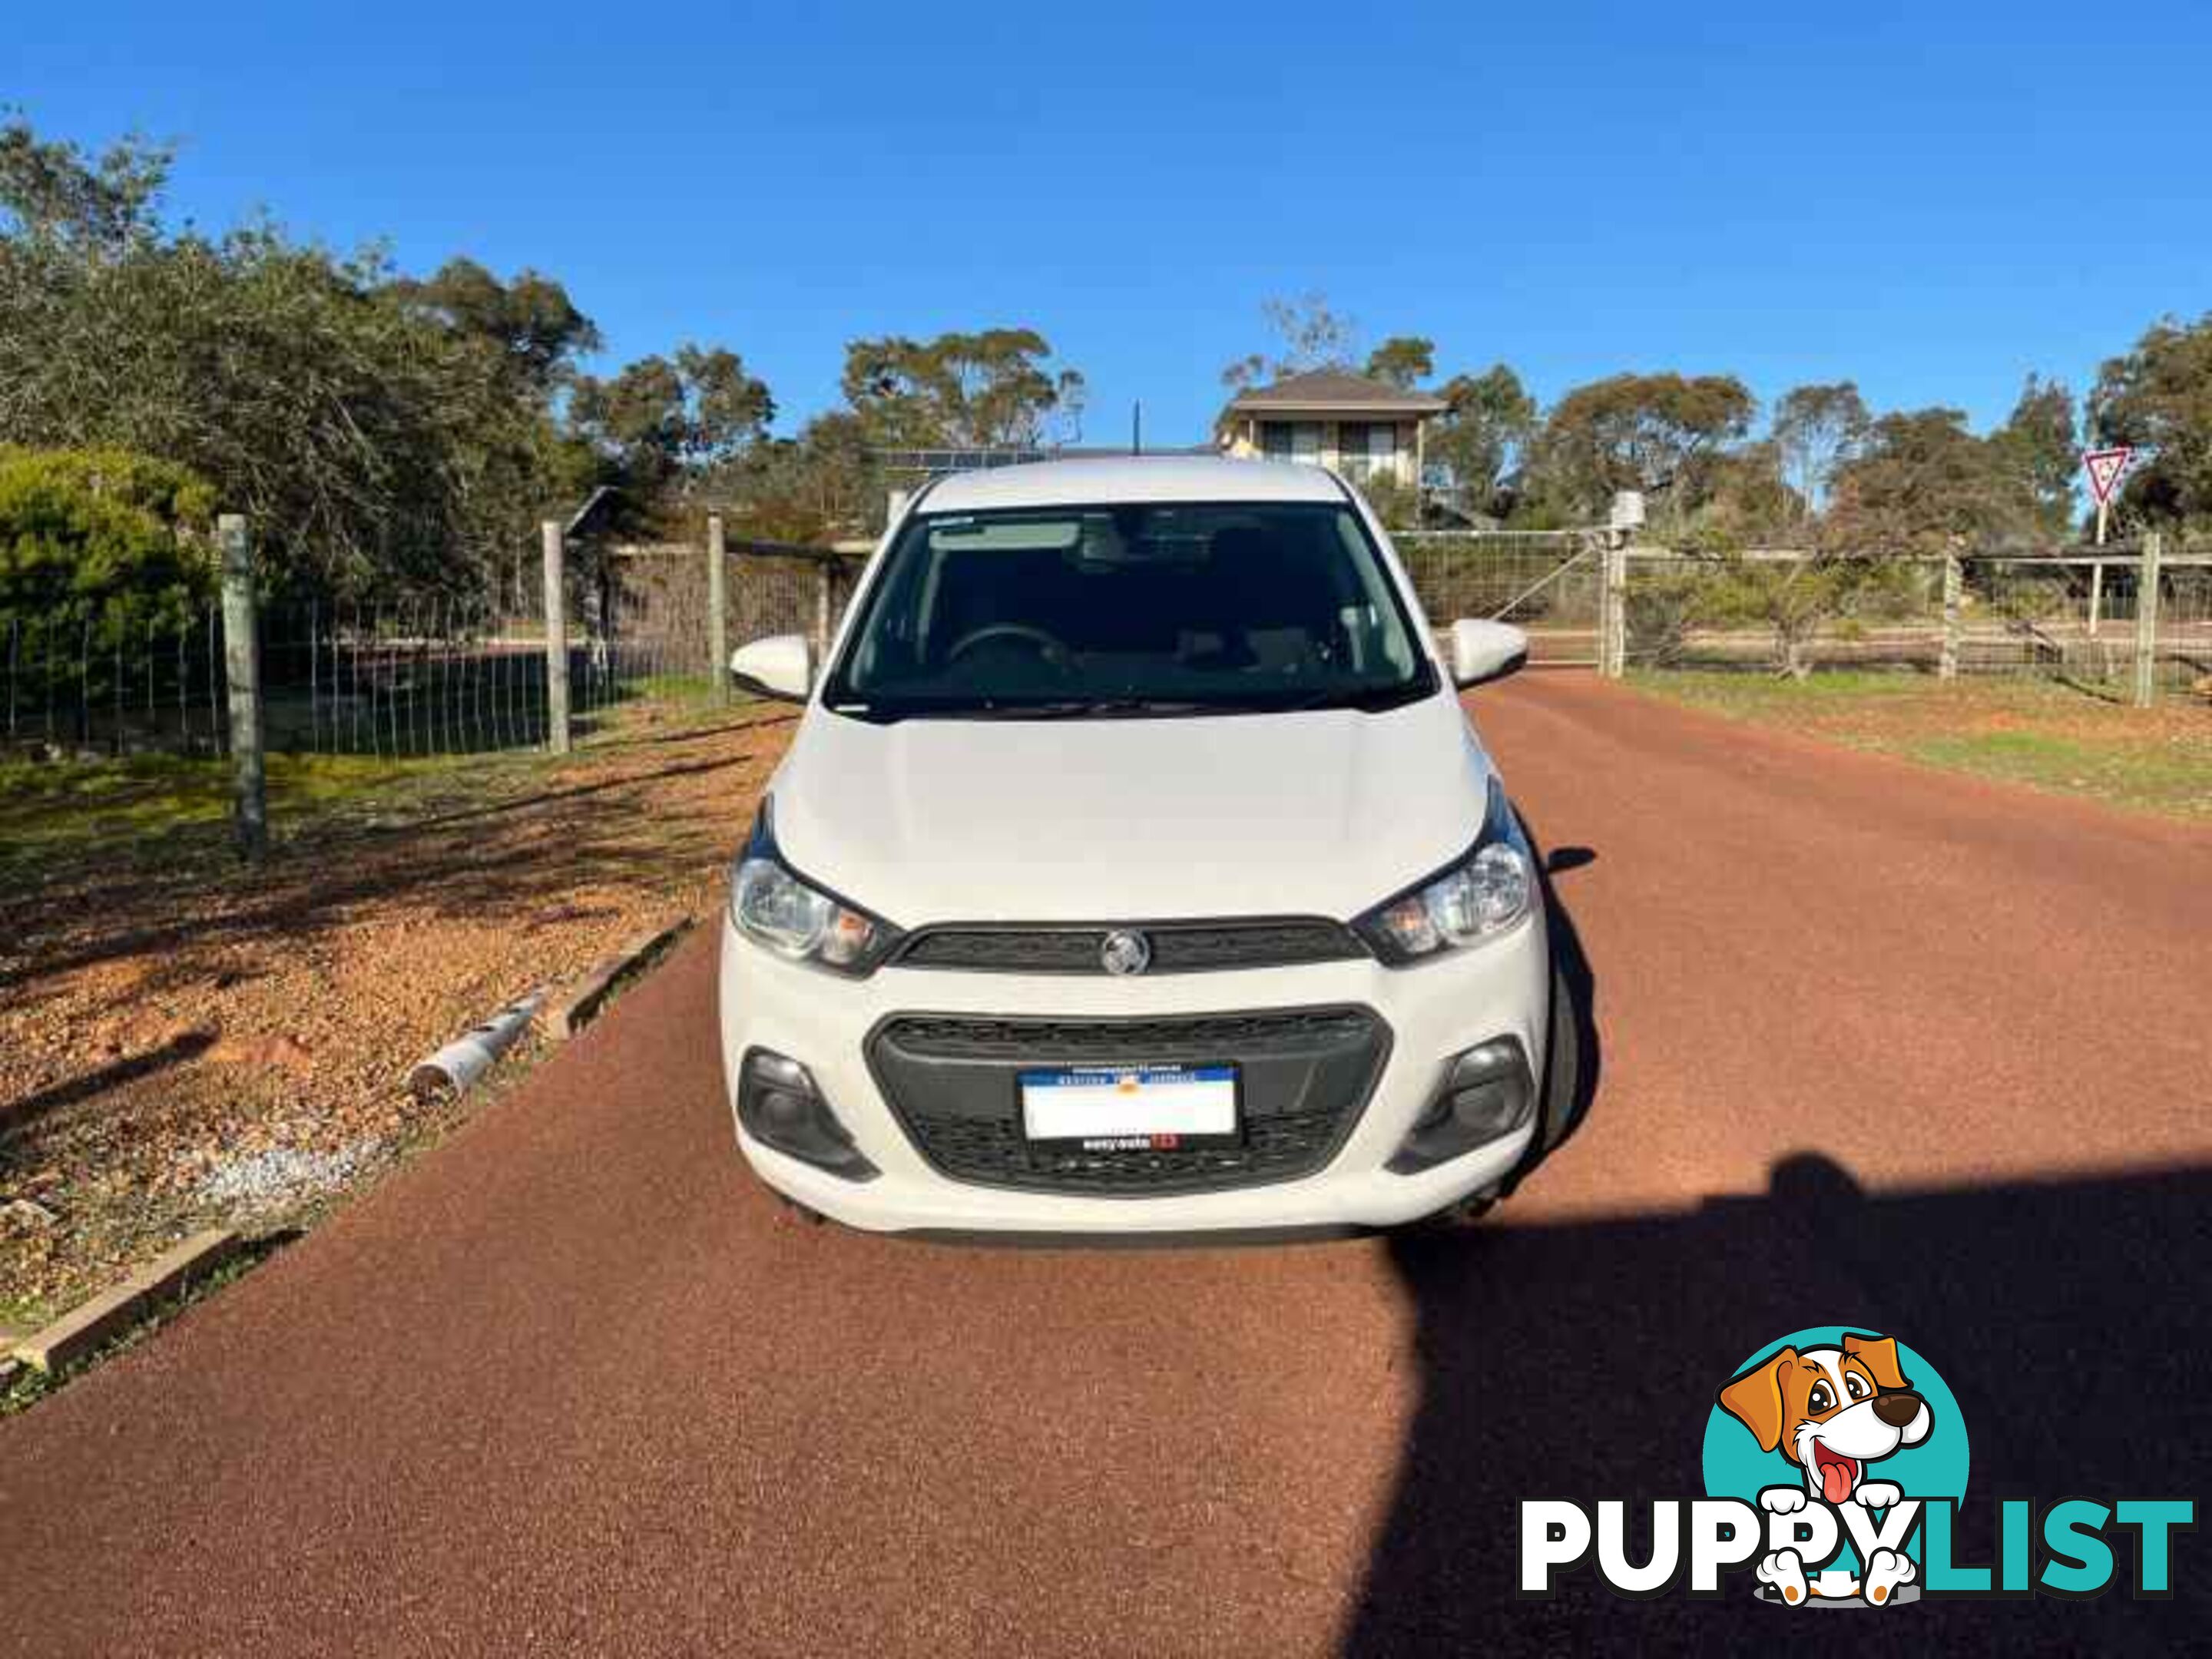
{"x":781,"y":666}
{"x":1486,"y":651}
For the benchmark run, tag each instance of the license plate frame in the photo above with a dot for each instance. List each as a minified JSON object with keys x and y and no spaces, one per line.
{"x":1073,"y":1107}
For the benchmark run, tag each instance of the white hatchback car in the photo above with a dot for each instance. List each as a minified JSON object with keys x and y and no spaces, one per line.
{"x":1134,"y":869}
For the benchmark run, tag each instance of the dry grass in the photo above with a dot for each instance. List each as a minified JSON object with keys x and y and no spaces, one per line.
{"x":2042,"y":733}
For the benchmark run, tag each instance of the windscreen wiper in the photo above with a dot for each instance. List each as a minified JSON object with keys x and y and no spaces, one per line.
{"x":1368,"y":700}
{"x":1078,"y":708}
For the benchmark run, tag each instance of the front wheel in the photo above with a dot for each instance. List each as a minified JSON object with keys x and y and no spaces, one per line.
{"x":1559,"y":1102}
{"x":1564,"y":1056}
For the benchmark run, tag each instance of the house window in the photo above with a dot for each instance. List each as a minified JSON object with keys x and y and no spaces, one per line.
{"x":1292,"y":440}
{"x":1365,"y":451}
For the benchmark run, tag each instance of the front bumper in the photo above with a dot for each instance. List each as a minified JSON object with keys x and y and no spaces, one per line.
{"x":1434,"y":1012}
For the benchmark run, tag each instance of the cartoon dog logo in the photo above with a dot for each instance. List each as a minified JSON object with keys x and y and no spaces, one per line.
{"x":1831,"y":1412}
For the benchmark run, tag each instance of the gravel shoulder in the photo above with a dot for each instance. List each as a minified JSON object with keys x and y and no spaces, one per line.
{"x":184,"y":1044}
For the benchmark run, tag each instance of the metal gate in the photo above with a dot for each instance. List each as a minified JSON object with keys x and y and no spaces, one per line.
{"x":1548,"y":583}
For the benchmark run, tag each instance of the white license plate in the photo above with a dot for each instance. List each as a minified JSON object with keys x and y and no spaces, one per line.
{"x":1131,"y":1107}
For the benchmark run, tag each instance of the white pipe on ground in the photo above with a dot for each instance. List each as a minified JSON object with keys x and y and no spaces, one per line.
{"x":455,"y":1068}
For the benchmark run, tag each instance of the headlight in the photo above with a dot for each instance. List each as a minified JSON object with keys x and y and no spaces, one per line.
{"x":776,"y":908}
{"x":1479,"y":895}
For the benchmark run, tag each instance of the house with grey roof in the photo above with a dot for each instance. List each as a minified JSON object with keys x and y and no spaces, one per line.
{"x":1365,"y":428}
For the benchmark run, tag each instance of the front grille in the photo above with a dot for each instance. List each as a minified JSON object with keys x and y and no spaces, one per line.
{"x":1305,"y":1077}
{"x":1178,"y":947}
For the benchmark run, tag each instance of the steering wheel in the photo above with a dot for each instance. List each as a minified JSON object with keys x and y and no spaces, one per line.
{"x":1054,"y":651}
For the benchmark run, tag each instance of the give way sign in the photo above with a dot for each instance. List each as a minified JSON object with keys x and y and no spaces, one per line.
{"x":2106,"y":468}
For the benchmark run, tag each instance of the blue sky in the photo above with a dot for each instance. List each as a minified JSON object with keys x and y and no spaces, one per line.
{"x":1932,"y":199}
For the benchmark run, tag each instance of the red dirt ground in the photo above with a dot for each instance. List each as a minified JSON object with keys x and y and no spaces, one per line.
{"x":1880,"y":1046}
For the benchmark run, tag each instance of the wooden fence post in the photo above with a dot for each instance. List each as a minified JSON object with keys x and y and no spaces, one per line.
{"x":825,"y":582}
{"x":1612,"y":610}
{"x":2146,"y":620}
{"x":1954,"y":583}
{"x":241,"y":661}
{"x":556,"y":640}
{"x":718,"y":622}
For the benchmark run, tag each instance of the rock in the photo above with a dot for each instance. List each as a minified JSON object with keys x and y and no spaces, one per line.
{"x":84,"y":1328}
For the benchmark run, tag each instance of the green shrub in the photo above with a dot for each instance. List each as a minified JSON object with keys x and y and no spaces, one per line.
{"x":89,"y":536}
{"x":1395,"y":504}
{"x":1797,"y":600}
{"x":1661,"y":609}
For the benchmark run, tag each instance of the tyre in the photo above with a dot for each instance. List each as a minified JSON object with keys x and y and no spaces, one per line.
{"x":1560,"y":1101}
{"x":1558,"y":1105}
{"x":1465,"y":1213}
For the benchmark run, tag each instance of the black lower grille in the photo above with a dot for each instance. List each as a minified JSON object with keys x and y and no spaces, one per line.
{"x":1305,"y":1075}
{"x":1179,"y":947}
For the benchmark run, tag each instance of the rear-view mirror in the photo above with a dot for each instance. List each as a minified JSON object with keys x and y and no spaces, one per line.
{"x":781,"y":667}
{"x":1486,"y":651}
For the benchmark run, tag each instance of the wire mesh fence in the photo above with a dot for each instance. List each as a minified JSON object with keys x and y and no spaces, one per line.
{"x":1774,"y":609}
{"x":401,"y":678}
{"x":421,"y":675}
{"x":2062,"y":615}
{"x":2076,"y":614}
{"x":775,"y":589}
{"x":1548,"y":583}
{"x":408,"y":675}
{"x":133,"y":677}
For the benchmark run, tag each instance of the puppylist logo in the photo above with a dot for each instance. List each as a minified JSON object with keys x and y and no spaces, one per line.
{"x":1835,"y":1465}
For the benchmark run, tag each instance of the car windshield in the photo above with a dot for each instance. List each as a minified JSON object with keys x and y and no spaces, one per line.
{"x":1128,"y":611}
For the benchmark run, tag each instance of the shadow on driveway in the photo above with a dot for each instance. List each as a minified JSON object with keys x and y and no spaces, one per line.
{"x":1580,"y":1359}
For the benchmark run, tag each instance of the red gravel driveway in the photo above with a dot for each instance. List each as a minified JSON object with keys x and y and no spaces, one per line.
{"x":1879,"y":1046}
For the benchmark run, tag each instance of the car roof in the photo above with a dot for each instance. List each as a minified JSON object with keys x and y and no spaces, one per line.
{"x":1103,"y":481}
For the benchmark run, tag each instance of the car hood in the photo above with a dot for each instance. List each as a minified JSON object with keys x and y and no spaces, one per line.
{"x":1321,"y":813}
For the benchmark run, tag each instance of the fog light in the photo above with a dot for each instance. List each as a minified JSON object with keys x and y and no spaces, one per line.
{"x":1486,"y":1093}
{"x":779,"y":1106}
{"x":786,"y":1112}
{"x":780,"y":1069}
